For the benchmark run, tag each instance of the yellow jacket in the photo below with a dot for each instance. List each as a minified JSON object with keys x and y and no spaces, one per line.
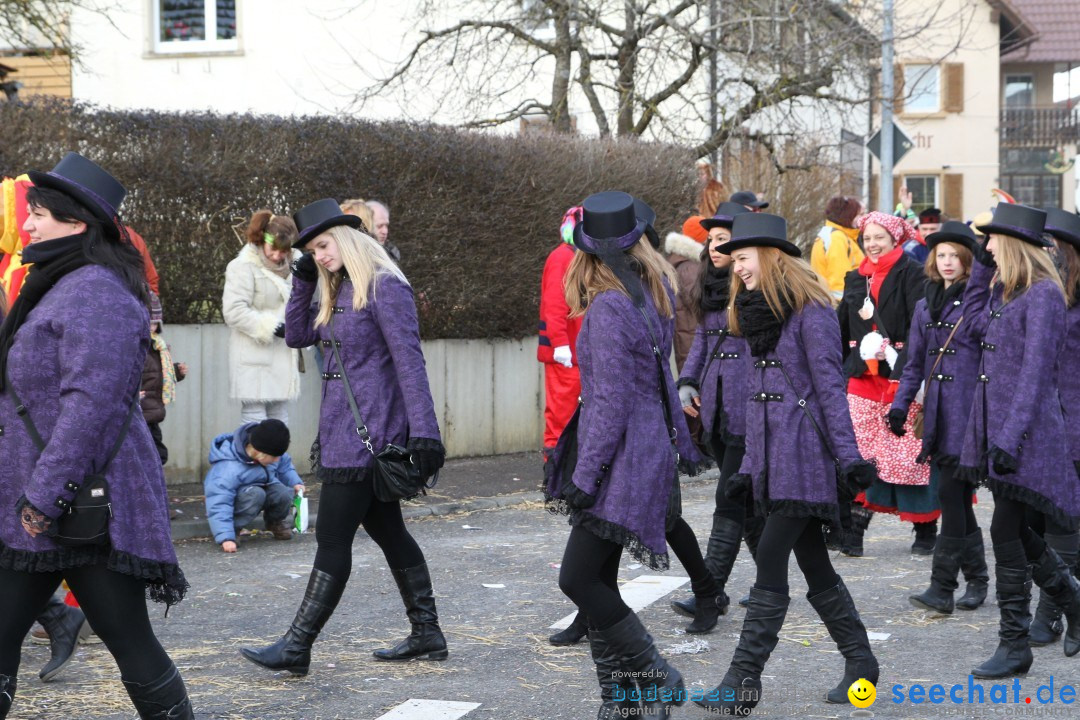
{"x":842,"y":255}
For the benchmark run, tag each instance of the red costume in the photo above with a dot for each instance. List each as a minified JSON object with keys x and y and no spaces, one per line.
{"x":562,"y":384}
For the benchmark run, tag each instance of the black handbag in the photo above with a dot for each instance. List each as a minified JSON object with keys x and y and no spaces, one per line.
{"x":394,"y":476}
{"x":86,"y":519}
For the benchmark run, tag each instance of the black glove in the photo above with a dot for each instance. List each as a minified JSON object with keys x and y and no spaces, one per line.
{"x":577,"y":498}
{"x":279,"y":331}
{"x":1002,"y":462}
{"x":304,"y":268}
{"x":737,"y":486}
{"x":861,"y":474}
{"x":427,"y":455}
{"x":897,"y":418}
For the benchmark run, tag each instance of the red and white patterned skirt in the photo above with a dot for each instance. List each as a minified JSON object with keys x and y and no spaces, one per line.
{"x":895,"y":456}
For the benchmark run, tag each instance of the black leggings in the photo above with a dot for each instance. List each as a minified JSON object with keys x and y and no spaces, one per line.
{"x":343,"y":507}
{"x":684,"y":544}
{"x":729,"y":459}
{"x":955,"y":496}
{"x":783,"y":534}
{"x":115,"y":605}
{"x":1010,"y":522}
{"x":590,"y":578}
{"x":1043,"y":525}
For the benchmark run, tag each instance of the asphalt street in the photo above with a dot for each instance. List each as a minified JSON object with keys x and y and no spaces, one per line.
{"x":495,"y":573}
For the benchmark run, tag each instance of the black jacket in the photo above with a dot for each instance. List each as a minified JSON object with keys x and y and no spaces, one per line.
{"x":904,"y":286}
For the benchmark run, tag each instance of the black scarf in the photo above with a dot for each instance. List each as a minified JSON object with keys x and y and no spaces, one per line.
{"x":715,"y":287}
{"x":758,"y":324}
{"x":52,"y":260}
{"x":937,"y":297}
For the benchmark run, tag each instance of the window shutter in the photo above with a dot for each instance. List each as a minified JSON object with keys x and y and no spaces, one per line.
{"x":954,"y":196}
{"x":953,"y":79}
{"x":898,"y":88}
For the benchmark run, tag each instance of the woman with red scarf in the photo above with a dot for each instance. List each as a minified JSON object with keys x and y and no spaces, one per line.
{"x":875,"y":316}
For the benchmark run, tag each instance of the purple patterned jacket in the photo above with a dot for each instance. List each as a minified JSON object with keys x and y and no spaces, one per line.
{"x":624,"y":455}
{"x":380,"y":348}
{"x":77,"y":364}
{"x":1069,"y":379}
{"x":1017,"y":407}
{"x":791,"y":470}
{"x":728,"y":373}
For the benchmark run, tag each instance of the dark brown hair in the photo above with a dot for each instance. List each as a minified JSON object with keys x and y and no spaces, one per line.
{"x":1070,"y":271}
{"x":265,"y":222}
{"x":842,"y":210}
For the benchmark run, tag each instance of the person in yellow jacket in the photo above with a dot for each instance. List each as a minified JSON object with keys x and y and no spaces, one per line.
{"x":836,"y":250}
{"x":12,"y":237}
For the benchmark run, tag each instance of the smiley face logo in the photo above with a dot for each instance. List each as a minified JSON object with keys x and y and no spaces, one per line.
{"x":862,"y":693}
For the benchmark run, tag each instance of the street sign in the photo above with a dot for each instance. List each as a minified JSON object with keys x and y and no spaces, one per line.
{"x":901,"y":144}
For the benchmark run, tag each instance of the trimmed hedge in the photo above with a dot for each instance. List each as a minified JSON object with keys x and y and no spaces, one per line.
{"x":474,"y":214}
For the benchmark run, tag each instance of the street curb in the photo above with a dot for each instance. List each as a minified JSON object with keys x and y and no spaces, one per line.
{"x":191,"y":529}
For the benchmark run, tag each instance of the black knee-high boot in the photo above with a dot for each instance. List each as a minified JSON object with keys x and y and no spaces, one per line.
{"x":163,"y":699}
{"x":293,"y":651}
{"x":939,"y":596}
{"x":661,"y":685}
{"x":837,"y":611}
{"x":426,"y":641}
{"x":852,"y":544}
{"x":1055,"y":578}
{"x":1013,"y":654}
{"x":616,"y":691}
{"x":720,"y":556}
{"x":973,"y":566}
{"x":740,"y":690}
{"x":1046,"y":628}
{"x":7,"y":694}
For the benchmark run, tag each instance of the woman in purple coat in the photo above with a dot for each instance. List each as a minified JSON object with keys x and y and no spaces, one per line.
{"x":1016,"y":442}
{"x":71,"y":355}
{"x":368,"y":330}
{"x":801,"y":457}
{"x":943,"y":351}
{"x":621,"y":486}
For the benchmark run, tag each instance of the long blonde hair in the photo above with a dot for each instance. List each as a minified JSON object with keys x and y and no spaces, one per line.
{"x":782,"y":276}
{"x":588,"y":276}
{"x":363,"y":258}
{"x":1021,"y":265}
{"x":359,"y":208}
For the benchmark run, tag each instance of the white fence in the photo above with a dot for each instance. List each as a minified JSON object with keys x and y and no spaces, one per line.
{"x":489,"y":398}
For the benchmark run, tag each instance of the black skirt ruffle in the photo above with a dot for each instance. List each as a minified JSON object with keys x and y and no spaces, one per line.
{"x":1035,"y":500}
{"x":618,"y":534}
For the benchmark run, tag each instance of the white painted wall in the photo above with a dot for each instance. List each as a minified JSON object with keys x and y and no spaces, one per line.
{"x":488,"y":394}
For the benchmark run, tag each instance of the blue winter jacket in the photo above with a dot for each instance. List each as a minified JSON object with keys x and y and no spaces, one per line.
{"x":232,"y":469}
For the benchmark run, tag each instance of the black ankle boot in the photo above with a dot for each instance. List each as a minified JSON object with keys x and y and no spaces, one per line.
{"x":1047,"y":627}
{"x":7,"y":694}
{"x":572,"y":635}
{"x":66,"y":626}
{"x":939,"y":596}
{"x":707,"y":613}
{"x":1013,"y":654}
{"x":618,"y":694}
{"x":426,"y":641}
{"x":925,"y":538}
{"x":720,"y":556}
{"x":851,"y":543}
{"x":837,"y":610}
{"x":1055,"y":578}
{"x":973,"y":566}
{"x":163,"y":699}
{"x":660,"y":684}
{"x":293,"y":651}
{"x":740,"y":690}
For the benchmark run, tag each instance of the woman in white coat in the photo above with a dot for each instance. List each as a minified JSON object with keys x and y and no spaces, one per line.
{"x":263,"y":371}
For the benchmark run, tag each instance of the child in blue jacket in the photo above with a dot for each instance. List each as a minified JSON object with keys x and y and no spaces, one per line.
{"x":250,"y":472}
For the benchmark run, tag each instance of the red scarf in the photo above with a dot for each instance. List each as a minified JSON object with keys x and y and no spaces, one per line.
{"x":877,"y":272}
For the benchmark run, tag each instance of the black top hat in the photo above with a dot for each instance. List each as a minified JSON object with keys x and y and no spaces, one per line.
{"x":609,"y":218}
{"x":724,"y":215}
{"x":646,"y":213}
{"x":320,"y":216}
{"x":89,"y":184}
{"x":1064,"y":226}
{"x":953,"y":231}
{"x":748,"y":199}
{"x":759,"y":230}
{"x":930,"y":215}
{"x":1018,"y":221}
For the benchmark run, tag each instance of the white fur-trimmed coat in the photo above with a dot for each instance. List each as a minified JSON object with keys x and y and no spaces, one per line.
{"x":261,"y":366}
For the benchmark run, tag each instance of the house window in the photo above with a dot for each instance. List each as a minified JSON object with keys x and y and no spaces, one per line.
{"x":1035,"y":190}
{"x":194,"y":26}
{"x":1019,"y":91}
{"x":924,"y":191}
{"x":922,"y":84}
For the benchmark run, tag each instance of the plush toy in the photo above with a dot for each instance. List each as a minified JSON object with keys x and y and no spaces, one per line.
{"x":869,"y":347}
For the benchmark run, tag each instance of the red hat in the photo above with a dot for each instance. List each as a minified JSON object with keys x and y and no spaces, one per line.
{"x":692,"y":229}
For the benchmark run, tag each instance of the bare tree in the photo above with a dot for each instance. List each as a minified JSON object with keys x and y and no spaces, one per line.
{"x":43,"y":25}
{"x":641,"y":67}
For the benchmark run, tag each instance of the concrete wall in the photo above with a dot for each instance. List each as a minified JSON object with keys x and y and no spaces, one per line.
{"x":489,"y":398}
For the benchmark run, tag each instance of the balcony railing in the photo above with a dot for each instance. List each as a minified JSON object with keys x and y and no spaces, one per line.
{"x":1039,"y":126}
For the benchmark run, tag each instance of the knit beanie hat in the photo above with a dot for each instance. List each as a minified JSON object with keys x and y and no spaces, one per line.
{"x":270,"y":437}
{"x":155,"y":308}
{"x":692,"y":229}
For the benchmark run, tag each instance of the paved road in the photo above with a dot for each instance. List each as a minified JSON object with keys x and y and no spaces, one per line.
{"x":499,"y":657}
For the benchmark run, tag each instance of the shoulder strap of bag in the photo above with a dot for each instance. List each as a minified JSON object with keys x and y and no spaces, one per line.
{"x":877,"y":318}
{"x":723,"y":333}
{"x":361,"y":428}
{"x":663,"y":381}
{"x":35,"y":437}
{"x":809,"y":415}
{"x":941,"y":353}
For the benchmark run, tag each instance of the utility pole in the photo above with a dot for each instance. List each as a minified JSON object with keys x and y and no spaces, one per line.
{"x":713,"y":83}
{"x":885,"y":188}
